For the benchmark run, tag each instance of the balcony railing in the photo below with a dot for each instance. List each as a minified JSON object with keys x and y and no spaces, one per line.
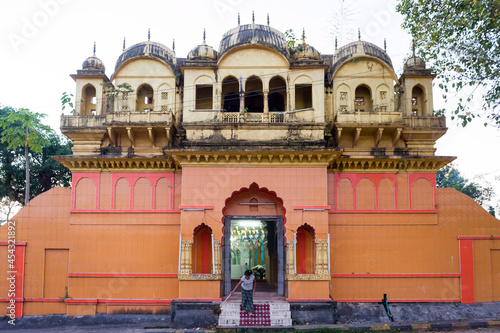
{"x":117,"y":118}
{"x":250,"y":117}
{"x":427,"y":122}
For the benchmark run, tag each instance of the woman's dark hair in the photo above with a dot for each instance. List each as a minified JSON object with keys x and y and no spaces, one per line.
{"x":248,"y":272}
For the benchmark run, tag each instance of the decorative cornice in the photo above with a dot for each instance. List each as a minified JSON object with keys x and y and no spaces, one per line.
{"x":429,"y":164}
{"x":201,"y":277}
{"x":308,"y":277}
{"x":256,"y":158}
{"x":122,"y":163}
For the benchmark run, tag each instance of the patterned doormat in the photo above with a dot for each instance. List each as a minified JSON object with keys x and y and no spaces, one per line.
{"x":260,"y":317}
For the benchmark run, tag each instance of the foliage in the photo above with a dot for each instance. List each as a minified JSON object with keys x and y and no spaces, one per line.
{"x":461,"y":39}
{"x":45,"y":173}
{"x":111,"y":91}
{"x":449,"y":177}
{"x":290,"y":38}
{"x":8,"y":208}
{"x":67,"y":102}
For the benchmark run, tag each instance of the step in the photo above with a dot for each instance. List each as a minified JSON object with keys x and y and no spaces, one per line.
{"x":267,"y":314}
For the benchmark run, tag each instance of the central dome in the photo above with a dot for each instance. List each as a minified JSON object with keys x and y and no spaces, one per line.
{"x":254,"y":34}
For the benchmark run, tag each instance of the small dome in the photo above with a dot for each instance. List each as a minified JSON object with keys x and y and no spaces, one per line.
{"x":93,"y":63}
{"x":202,"y":52}
{"x":307,"y":53}
{"x":414,"y":63}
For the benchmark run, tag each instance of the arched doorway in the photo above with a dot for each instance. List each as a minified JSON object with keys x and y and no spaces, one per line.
{"x":254,"y":228}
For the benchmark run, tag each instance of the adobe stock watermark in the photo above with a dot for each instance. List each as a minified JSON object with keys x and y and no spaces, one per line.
{"x":222,"y":7}
{"x":32,"y":25}
{"x":380,"y":19}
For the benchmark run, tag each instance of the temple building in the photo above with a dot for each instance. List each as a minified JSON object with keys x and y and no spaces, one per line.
{"x":315,"y":170}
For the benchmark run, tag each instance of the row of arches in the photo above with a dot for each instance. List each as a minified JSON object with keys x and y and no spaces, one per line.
{"x":136,"y":194}
{"x":202,"y":249}
{"x":366,"y":195}
{"x":253,"y":95}
{"x":144,"y":99}
{"x":368,"y":99}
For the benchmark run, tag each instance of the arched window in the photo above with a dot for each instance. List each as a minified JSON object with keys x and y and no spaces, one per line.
{"x":345,"y":195}
{"x":202,"y":250}
{"x":204,"y":93}
{"x":306,"y":250}
{"x":230,"y":94}
{"x":122,"y":194}
{"x":422,"y":194}
{"x":277,"y":94}
{"x":254,"y":99}
{"x":89,"y":101}
{"x":363,"y":99}
{"x":418,"y":102}
{"x":85,"y":194}
{"x":142,"y":194}
{"x":365,"y":195}
{"x":144,"y":100}
{"x":162,"y":194}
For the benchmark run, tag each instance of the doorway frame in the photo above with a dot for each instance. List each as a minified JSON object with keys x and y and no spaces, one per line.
{"x":226,"y":253}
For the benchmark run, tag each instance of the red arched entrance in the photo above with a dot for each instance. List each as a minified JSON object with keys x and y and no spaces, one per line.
{"x":254,"y":221}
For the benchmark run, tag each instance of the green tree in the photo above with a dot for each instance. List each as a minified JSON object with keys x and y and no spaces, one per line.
{"x":461,"y":40}
{"x":24,"y":129}
{"x":449,"y":177}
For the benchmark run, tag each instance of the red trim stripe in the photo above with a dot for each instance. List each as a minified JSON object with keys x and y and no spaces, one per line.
{"x":129,"y":275}
{"x":392,"y":211}
{"x":199,"y":299}
{"x":477,"y":237}
{"x":312,"y":207}
{"x":308,"y":300}
{"x":138,"y":301}
{"x":16,"y":243}
{"x":396,"y":300}
{"x":396,"y":275}
{"x":196,"y":207}
{"x":128,"y":211}
{"x":80,"y":301}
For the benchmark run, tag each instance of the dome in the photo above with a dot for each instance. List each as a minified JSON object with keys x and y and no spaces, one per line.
{"x":93,"y":63}
{"x":414,"y":63}
{"x":202,"y":52}
{"x":254,"y":34}
{"x":147,"y":50}
{"x":359,"y":49}
{"x":307,"y":53}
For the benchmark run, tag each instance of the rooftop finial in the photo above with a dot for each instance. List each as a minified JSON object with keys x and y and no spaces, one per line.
{"x":94,"y":48}
{"x":238,"y":18}
{"x":173,"y":45}
{"x":149,"y":34}
{"x":204,"y":36}
{"x":336,"y":43}
{"x":413,"y":47}
{"x":359,"y":34}
{"x":267,"y":18}
{"x":253,"y":17}
{"x":303,"y":35}
{"x":123,"y":43}
{"x":385,"y":44}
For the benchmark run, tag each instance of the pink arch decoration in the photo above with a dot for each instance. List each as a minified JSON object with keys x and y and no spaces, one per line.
{"x":265,"y":190}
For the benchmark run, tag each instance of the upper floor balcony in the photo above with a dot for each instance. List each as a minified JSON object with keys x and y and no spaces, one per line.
{"x":135,"y":118}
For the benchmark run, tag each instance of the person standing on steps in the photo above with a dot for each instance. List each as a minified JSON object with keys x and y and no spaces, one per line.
{"x":248,"y":285}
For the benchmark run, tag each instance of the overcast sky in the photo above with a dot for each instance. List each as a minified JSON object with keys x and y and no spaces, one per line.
{"x":43,"y":41}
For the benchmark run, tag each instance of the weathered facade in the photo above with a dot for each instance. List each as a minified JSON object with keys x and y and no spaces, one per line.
{"x":315,"y":170}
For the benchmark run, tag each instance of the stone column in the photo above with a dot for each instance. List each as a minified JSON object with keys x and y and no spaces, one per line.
{"x":218,"y":257}
{"x":321,"y":257}
{"x":186,"y":257}
{"x":290,"y":264}
{"x":266,"y":106}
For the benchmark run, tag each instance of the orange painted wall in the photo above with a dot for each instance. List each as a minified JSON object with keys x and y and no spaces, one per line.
{"x":368,"y":259}
{"x":409,"y":254}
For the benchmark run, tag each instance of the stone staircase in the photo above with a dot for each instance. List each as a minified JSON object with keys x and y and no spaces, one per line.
{"x":268,"y":313}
